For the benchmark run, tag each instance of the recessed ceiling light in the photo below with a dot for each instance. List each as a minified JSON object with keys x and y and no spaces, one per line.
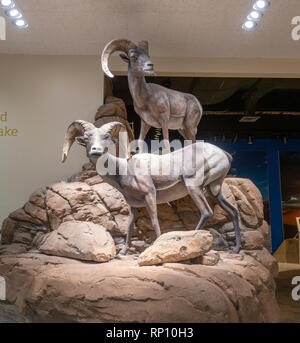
{"x":249,"y":25}
{"x":21,"y":23}
{"x":261,"y":5}
{"x":7,"y":3}
{"x":14,"y":13}
{"x":255,"y":15}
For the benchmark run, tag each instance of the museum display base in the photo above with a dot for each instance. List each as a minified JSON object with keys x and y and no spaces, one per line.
{"x":239,"y":288}
{"x":59,"y":258}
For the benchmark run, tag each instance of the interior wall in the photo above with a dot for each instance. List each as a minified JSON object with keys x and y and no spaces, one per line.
{"x":218,"y":67}
{"x":42,"y":95}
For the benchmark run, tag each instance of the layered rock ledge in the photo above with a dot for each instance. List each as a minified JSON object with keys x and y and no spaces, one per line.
{"x":240,"y":288}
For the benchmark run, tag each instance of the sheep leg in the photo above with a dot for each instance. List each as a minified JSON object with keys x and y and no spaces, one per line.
{"x":207,"y":214}
{"x":188,"y":134}
{"x":229,"y":208}
{"x":132,"y":217}
{"x":143,"y":133}
{"x":200,"y":200}
{"x":165,"y":131}
{"x":150,"y":202}
{"x":193,"y":115}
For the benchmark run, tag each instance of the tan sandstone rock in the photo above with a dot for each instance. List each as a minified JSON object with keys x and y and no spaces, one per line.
{"x":176,"y":246}
{"x":249,"y":201}
{"x":8,"y":230}
{"x":55,"y":289}
{"x":80,"y":240}
{"x":12,"y":249}
{"x":265,"y":258}
{"x":264,"y":229}
{"x":88,"y":199}
{"x":21,"y":215}
{"x":254,"y":240}
{"x":211,"y":258}
{"x":37,"y":198}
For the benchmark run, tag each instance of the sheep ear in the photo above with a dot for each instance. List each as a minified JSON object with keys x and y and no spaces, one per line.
{"x":124,"y":58}
{"x":80,"y":141}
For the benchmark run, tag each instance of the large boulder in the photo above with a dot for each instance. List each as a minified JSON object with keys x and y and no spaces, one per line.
{"x":79,"y":240}
{"x":113,"y":109}
{"x":254,"y":240}
{"x":176,"y":246}
{"x":54,"y":289}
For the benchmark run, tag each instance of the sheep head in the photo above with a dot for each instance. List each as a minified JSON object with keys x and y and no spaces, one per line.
{"x":95,"y":140}
{"x":137,"y":56}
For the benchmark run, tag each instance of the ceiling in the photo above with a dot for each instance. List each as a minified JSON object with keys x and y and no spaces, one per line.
{"x":174,"y":28}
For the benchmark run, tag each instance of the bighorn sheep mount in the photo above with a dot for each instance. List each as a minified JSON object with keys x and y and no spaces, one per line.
{"x":143,"y":188}
{"x":157,"y":106}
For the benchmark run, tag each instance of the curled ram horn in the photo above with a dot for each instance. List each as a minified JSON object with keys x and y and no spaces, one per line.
{"x":144,"y":45}
{"x":123,"y":45}
{"x":76,"y":129}
{"x":114,"y":128}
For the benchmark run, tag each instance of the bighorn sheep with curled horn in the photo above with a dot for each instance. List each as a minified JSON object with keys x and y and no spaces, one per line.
{"x":194,"y":168}
{"x":157,"y":106}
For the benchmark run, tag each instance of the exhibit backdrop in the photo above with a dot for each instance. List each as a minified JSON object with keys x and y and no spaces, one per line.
{"x":290,"y":189}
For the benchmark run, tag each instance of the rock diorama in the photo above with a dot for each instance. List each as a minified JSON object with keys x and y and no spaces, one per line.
{"x":59,"y":258}
{"x":60,"y":254}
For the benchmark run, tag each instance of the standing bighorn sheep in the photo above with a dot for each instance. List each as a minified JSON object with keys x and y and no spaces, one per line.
{"x":199,"y":166}
{"x":157,"y":106}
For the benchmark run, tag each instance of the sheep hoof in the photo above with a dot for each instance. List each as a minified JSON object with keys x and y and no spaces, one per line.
{"x":236,"y":249}
{"x":123,"y":251}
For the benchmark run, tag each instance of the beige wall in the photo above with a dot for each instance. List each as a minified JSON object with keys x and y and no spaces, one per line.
{"x":42,"y":95}
{"x":219,"y":67}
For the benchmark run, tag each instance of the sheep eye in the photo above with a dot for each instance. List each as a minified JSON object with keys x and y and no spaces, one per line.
{"x":106,"y":136}
{"x":133,"y":58}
